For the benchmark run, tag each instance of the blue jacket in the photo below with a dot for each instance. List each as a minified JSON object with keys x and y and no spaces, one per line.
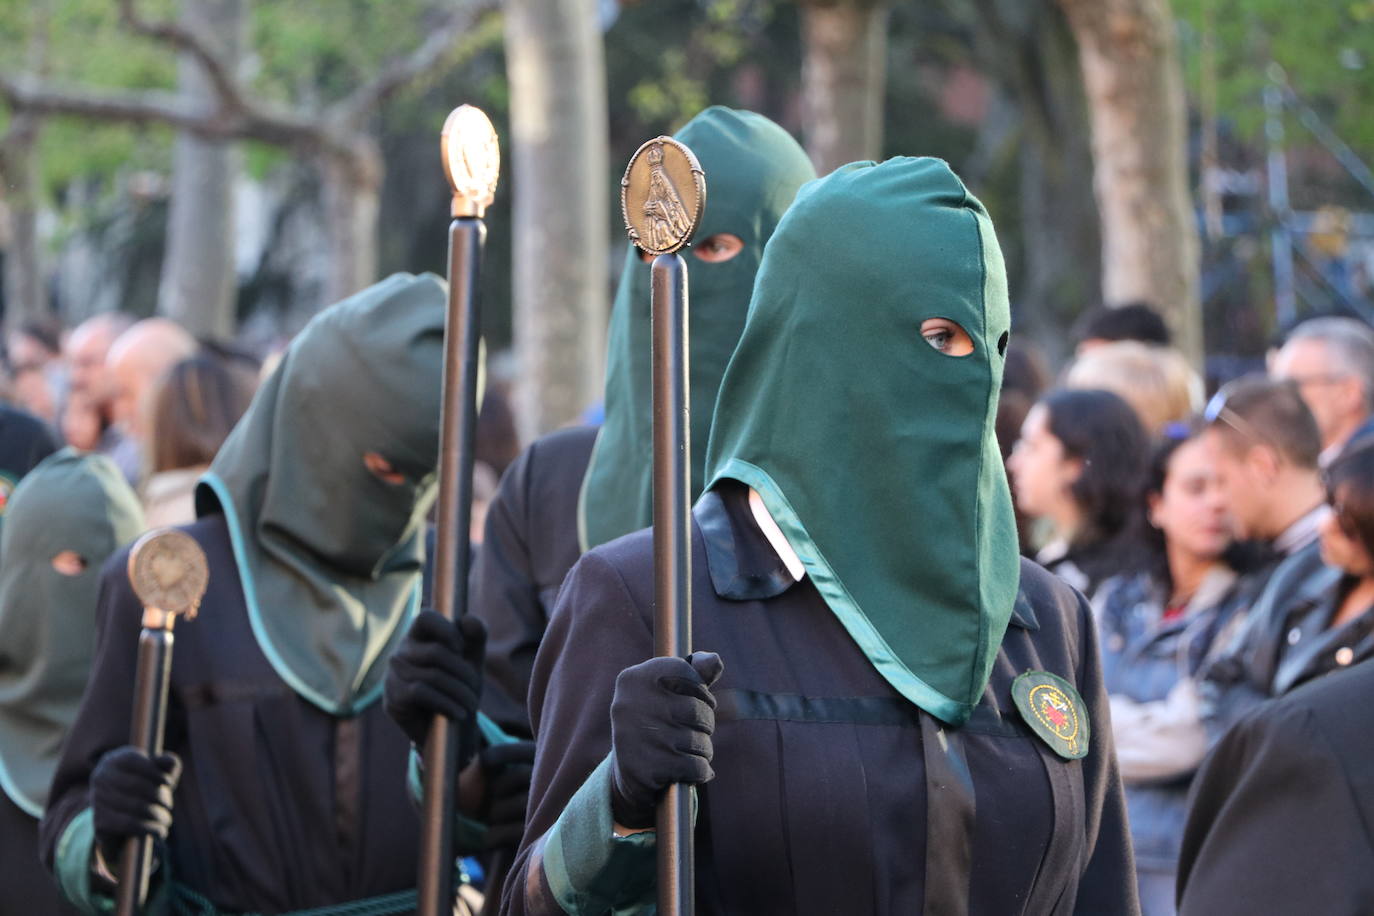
{"x":1148,"y":664}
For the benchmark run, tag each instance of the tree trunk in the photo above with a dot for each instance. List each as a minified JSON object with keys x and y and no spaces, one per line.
{"x":1129,"y":57}
{"x":556,"y":67}
{"x":21,"y":190}
{"x":843,"y":79}
{"x":351,"y":180}
{"x":199,"y":284}
{"x":19,"y":199}
{"x":1026,"y":46}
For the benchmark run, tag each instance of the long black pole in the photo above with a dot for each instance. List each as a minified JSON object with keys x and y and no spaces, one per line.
{"x":457,"y":432}
{"x":672,"y":552}
{"x":149,"y":724}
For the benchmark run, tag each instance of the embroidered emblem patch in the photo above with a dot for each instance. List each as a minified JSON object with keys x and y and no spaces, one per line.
{"x":1054,"y":711}
{"x":6,"y":488}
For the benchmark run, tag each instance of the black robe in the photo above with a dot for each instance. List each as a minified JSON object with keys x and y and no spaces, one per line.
{"x":26,"y":889}
{"x":1282,"y":810}
{"x":819,"y":803}
{"x":281,"y":806}
{"x":530,"y":544}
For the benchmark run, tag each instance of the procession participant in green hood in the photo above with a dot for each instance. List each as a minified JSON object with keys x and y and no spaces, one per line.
{"x":64,"y":520}
{"x":910,"y":718}
{"x":580,"y":487}
{"x":292,"y":779}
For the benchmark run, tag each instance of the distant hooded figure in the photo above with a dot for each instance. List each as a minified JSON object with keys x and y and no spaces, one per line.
{"x":64,"y":521}
{"x":577,"y":488}
{"x":285,"y":782}
{"x":894,"y":713}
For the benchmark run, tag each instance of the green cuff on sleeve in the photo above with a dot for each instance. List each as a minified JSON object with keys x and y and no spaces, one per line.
{"x":591,"y":870}
{"x":72,"y":866}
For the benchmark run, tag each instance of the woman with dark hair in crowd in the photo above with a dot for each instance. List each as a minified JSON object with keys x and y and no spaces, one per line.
{"x":192,"y":410}
{"x":1077,"y":467}
{"x":1156,"y":624}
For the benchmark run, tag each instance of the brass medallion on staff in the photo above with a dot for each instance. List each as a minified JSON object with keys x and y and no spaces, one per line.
{"x":662,"y":196}
{"x":472,"y":159}
{"x":169,"y":573}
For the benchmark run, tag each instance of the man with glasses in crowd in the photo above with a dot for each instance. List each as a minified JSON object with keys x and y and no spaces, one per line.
{"x":1265,"y":446}
{"x":1331,"y":361}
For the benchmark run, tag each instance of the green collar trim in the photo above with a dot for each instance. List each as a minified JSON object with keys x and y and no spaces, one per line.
{"x":582,"y":538}
{"x":7,"y":784}
{"x":493,"y":733}
{"x":260,"y":631}
{"x":840,"y":601}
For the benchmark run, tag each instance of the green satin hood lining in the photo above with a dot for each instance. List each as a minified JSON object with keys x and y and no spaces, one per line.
{"x":260,"y":631}
{"x":839,"y":600}
{"x":16,"y":795}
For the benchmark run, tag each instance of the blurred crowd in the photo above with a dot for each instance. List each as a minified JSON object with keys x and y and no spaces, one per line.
{"x":159,"y":403}
{"x":1227,"y":549}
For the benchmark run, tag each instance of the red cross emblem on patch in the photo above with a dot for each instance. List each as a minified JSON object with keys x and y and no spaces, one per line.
{"x":1055,"y":712}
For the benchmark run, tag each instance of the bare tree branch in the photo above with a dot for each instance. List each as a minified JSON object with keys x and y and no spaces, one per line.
{"x":399,"y":71}
{"x":237,"y":116}
{"x":227,"y":87}
{"x":158,"y":107}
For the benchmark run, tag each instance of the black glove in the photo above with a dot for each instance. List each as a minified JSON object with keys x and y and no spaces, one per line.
{"x":131,"y":795}
{"x":507,"y":769}
{"x":437,"y":670}
{"x":662,"y":717}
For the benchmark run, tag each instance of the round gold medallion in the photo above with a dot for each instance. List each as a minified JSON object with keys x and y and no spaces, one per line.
{"x":662,"y":196}
{"x":472,"y":159}
{"x":169,"y":572}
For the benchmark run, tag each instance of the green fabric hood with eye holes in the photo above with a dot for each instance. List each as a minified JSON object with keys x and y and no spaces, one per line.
{"x":874,"y":452}
{"x":70,"y":502}
{"x":753,"y":170}
{"x":330,"y":556}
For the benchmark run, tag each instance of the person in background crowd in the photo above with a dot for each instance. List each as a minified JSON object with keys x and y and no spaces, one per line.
{"x":83,"y":423}
{"x":85,"y":352}
{"x":1279,"y":820}
{"x":137,"y":360}
{"x":35,"y":360}
{"x":1331,"y":360}
{"x":1264,"y":446}
{"x":1078,"y":466}
{"x":581,"y":486}
{"x":190,"y":413}
{"x":1106,"y":324}
{"x":498,"y":442}
{"x":857,"y":752}
{"x":24,"y":442}
{"x":1023,"y":379}
{"x":65,"y":520}
{"x":1156,"y":381}
{"x":1155,"y":626}
{"x":1322,"y":629}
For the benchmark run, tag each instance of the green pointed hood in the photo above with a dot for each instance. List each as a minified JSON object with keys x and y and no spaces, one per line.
{"x":70,"y":502}
{"x":873,"y":451}
{"x":330,"y":556}
{"x":753,"y":170}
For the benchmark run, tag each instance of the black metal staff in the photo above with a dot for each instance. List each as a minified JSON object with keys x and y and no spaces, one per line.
{"x":662,"y":197}
{"x":168,"y":572}
{"x":472,"y":163}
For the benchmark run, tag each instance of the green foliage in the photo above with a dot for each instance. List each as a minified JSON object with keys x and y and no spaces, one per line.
{"x":80,"y":42}
{"x":668,"y":59}
{"x":313,"y":52}
{"x":1325,"y":46}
